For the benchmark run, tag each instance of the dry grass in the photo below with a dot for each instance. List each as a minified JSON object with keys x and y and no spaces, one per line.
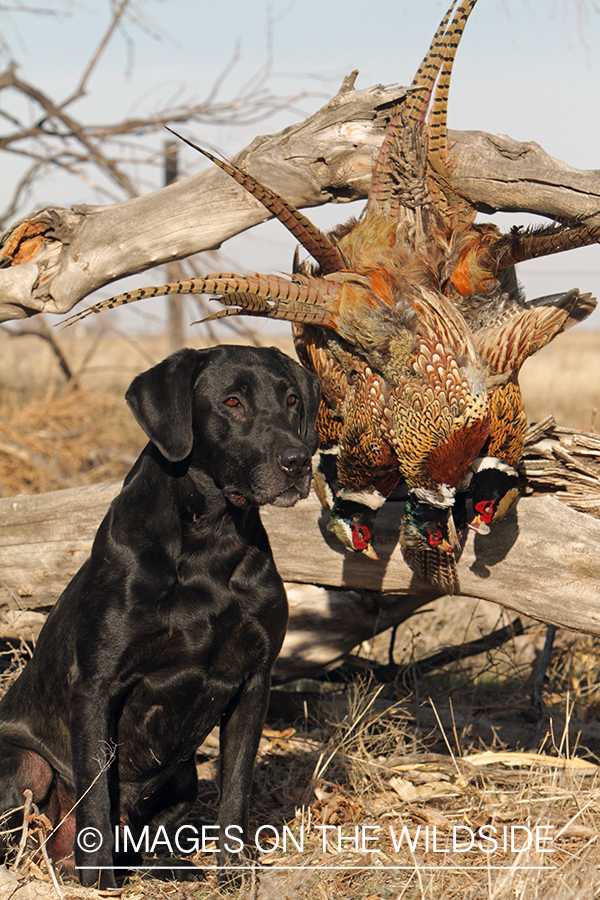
{"x":357,"y":753}
{"x":564,"y":379}
{"x":378,"y":757}
{"x":101,"y":361}
{"x":55,"y":434}
{"x":64,"y":440}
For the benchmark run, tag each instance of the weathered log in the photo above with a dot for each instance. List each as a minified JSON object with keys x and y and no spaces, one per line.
{"x":542,"y":562}
{"x":55,"y":256}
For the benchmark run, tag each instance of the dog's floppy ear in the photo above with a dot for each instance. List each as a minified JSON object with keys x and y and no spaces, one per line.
{"x":311,"y":397}
{"x":161,"y":401}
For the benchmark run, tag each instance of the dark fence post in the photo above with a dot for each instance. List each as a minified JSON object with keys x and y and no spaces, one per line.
{"x":175,"y":303}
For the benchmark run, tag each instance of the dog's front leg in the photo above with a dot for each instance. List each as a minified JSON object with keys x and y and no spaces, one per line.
{"x":241,"y":729}
{"x":92,"y":757}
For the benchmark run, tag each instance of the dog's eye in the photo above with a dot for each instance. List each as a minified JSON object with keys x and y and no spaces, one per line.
{"x":232,"y":401}
{"x":292,"y":400}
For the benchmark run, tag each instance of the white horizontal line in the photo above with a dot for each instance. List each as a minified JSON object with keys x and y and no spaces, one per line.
{"x":316,"y":868}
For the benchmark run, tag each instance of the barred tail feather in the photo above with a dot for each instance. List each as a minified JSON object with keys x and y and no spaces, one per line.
{"x":407,"y":121}
{"x":434,"y":567}
{"x":413,"y":108}
{"x":251,"y":305}
{"x":519,"y":246}
{"x":505,"y":346}
{"x":426,"y":74}
{"x":271,"y":296}
{"x":321,"y":247}
{"x":176,"y":287}
{"x":439,"y":109}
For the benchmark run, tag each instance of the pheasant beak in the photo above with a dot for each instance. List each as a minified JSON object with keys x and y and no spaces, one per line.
{"x":369,"y":551}
{"x":361,"y":540}
{"x":477,"y":524}
{"x":446,"y":546}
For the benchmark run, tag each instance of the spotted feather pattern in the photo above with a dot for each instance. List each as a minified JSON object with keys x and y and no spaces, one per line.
{"x":411,"y":318}
{"x":328,"y":427}
{"x":508,"y":423}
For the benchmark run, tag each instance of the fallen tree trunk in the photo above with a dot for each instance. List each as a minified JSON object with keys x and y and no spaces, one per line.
{"x":542,"y":562}
{"x":54,"y":257}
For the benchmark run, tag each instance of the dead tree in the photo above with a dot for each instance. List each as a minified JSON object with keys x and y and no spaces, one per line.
{"x":52,"y":258}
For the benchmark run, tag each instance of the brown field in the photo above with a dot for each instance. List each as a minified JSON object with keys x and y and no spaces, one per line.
{"x":53,"y":434}
{"x":357,"y":750}
{"x":564,"y":379}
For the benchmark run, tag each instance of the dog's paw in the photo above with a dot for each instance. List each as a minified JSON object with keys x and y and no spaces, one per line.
{"x":103,"y":879}
{"x":171,"y":868}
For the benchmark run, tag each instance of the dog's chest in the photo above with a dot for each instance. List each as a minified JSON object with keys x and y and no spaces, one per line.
{"x":208,"y":647}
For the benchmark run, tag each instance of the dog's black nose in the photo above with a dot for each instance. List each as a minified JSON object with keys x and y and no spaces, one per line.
{"x":294,"y":458}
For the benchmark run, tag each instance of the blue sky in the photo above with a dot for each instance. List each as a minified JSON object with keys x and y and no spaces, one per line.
{"x":527,"y":68}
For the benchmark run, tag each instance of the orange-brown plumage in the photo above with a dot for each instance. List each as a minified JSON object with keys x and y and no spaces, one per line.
{"x":414,"y":323}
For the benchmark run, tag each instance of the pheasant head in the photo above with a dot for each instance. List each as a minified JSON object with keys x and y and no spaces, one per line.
{"x":504,"y":343}
{"x":428,"y":540}
{"x":352,"y":524}
{"x":495,"y":489}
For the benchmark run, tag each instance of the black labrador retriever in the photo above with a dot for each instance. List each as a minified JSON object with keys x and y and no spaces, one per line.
{"x":173,"y":624}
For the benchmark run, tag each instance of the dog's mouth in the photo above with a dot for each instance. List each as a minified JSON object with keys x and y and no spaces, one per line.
{"x":236,"y":498}
{"x":268,"y":489}
{"x":289,"y":496}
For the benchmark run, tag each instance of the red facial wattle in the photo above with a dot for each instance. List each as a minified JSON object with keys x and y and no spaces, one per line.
{"x":435,"y":538}
{"x":485,"y":508}
{"x":360,"y":536}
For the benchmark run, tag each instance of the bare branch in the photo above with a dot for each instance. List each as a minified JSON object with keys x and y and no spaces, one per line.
{"x":80,"y":89}
{"x":74,"y":130}
{"x":77,"y":147}
{"x":328,"y":157}
{"x":358,"y":597}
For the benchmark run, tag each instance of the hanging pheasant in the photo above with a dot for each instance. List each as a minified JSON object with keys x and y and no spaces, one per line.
{"x":515,"y":330}
{"x":398,"y":319}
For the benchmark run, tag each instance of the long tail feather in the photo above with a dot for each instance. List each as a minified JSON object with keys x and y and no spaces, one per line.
{"x":506,"y":345}
{"x":412,"y":109}
{"x":325,"y":251}
{"x":439,"y":110}
{"x":404,"y":150}
{"x":519,"y":246}
{"x":416,"y":106}
{"x":308,"y":300}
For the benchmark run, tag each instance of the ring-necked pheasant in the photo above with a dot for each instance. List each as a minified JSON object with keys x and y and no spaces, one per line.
{"x":515,"y":331}
{"x":399,"y":319}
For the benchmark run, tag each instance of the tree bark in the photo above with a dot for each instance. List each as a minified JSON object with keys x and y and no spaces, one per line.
{"x":54,"y":257}
{"x":542,"y":562}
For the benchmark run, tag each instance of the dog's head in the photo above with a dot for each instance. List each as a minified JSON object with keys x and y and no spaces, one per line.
{"x":243,"y":415}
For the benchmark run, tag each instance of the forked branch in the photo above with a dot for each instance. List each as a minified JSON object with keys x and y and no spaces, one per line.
{"x":55,"y":257}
